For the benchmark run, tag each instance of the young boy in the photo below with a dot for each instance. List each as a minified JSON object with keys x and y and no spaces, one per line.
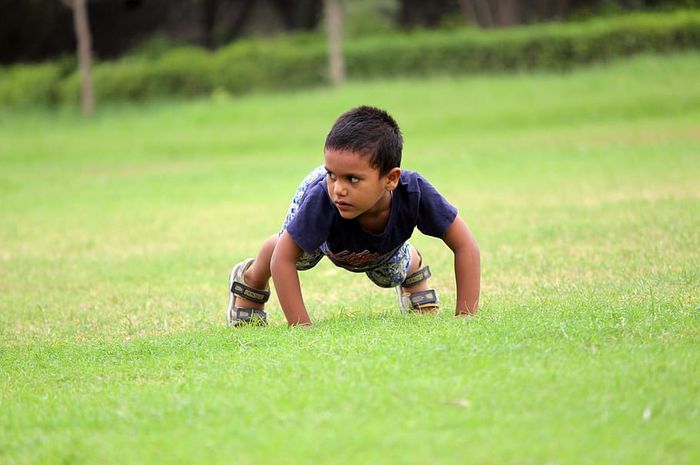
{"x":359,"y":209}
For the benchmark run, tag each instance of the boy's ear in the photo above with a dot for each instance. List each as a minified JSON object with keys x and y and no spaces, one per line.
{"x":392,"y":178}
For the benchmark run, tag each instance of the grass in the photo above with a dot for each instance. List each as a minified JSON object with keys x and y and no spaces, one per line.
{"x":117,"y":235}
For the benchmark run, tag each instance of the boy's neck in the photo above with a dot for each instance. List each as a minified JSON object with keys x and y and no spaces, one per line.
{"x":375,"y":220}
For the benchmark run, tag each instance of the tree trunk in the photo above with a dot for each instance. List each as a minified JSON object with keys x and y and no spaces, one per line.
{"x":483,"y":13}
{"x":508,"y":13}
{"x":236,"y":29}
{"x":209,"y":9}
{"x":82,"y":34}
{"x":468,"y":10}
{"x":334,"y":29}
{"x":493,"y":13}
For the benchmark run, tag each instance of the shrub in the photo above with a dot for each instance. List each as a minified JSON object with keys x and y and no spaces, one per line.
{"x":251,"y":65}
{"x":549,"y":46}
{"x":181,"y":72}
{"x":300,"y":61}
{"x":27,"y":85}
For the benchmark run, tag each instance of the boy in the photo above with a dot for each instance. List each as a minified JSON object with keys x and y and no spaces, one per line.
{"x":358,"y":209}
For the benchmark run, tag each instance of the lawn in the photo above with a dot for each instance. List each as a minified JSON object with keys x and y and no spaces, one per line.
{"x":583,"y":190}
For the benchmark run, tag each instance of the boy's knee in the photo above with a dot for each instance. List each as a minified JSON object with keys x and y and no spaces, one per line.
{"x":416,"y":260}
{"x":272,"y":240}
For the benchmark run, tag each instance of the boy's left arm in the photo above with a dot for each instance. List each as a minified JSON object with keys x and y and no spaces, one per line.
{"x":467,"y":266}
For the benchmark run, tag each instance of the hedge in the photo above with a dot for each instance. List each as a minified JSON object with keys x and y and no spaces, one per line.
{"x":31,"y":84}
{"x":300,"y":61}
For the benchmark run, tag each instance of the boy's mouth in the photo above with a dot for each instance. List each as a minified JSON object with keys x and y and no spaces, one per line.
{"x":342,"y":206}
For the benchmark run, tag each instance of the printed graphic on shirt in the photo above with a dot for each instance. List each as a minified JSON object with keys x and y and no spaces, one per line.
{"x":354,"y":258}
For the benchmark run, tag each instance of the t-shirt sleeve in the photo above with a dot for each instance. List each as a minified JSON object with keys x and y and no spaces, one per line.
{"x":435,"y":213}
{"x":312,"y":223}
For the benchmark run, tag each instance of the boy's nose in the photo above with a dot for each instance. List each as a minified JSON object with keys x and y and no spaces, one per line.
{"x":340,"y":189}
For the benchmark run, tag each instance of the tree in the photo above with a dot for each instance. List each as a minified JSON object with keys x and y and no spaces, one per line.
{"x":334,"y":29}
{"x":226,"y":20}
{"x":504,"y":13}
{"x":82,"y":34}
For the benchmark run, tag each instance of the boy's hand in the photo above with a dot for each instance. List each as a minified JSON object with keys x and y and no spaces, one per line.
{"x":286,"y":278}
{"x":467,"y":266}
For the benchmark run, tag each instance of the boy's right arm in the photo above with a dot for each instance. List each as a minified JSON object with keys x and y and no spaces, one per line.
{"x":286,"y":278}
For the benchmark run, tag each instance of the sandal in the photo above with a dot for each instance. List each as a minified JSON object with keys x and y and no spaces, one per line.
{"x":239,"y":316}
{"x":422,"y":301}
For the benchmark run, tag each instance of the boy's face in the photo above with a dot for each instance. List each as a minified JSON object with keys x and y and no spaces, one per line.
{"x":355,"y":187}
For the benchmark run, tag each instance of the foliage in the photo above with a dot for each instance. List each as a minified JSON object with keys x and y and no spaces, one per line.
{"x":548,"y":46}
{"x":24,"y":85}
{"x":300,"y":61}
{"x":363,"y":17}
{"x":251,"y":65}
{"x":179,"y":72}
{"x":156,"y":46}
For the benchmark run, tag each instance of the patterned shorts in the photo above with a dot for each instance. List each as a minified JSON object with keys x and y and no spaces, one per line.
{"x":391,"y":273}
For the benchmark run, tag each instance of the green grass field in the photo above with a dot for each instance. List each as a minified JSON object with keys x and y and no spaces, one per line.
{"x":583,"y":190}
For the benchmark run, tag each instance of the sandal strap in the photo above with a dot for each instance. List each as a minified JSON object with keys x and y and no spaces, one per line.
{"x":424,"y":298}
{"x":259,"y":296}
{"x":416,"y":278}
{"x":246,"y":315}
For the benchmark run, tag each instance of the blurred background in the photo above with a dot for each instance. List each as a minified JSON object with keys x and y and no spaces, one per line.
{"x":33,"y":30}
{"x":182,"y":48}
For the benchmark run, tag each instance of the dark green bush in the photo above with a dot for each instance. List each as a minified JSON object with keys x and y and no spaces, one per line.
{"x":181,"y":72}
{"x":273,"y":64}
{"x":550,"y":46}
{"x":24,"y":85}
{"x":300,"y":61}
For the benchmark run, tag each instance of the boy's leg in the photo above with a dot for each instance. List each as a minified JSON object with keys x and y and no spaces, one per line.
{"x":416,"y":264}
{"x":404,"y":271}
{"x":249,"y":287}
{"x":252,"y":277}
{"x":258,"y":274}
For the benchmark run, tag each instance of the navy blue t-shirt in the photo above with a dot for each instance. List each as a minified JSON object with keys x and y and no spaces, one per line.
{"x":415,"y":203}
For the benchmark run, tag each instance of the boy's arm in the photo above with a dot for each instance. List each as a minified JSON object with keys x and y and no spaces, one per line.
{"x":286,"y":278}
{"x":467,"y":266}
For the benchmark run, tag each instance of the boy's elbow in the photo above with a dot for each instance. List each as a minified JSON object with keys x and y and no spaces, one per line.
{"x":476,"y":252}
{"x":472,"y":247}
{"x":460,"y":239}
{"x":467,"y":245}
{"x":469,"y":250}
{"x":282,"y":258}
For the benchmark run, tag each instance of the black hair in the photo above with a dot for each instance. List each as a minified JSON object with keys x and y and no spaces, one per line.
{"x":368,"y":131}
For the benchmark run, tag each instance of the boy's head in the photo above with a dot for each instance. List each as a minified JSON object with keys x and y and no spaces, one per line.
{"x":370,"y":132}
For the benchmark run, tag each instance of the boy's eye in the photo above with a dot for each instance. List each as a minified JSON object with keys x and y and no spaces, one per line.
{"x":351,"y":179}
